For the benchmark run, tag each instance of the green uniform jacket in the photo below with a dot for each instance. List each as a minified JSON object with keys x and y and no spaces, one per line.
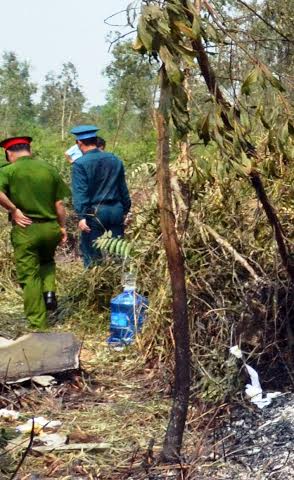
{"x":33,"y":186}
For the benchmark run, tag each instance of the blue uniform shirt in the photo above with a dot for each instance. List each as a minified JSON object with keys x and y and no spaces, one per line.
{"x":97,"y":178}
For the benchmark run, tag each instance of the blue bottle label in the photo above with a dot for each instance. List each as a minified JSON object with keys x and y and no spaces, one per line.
{"x":119,"y":320}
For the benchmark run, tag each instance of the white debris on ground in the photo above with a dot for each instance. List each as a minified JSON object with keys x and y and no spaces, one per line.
{"x":39,"y":424}
{"x":41,"y":380}
{"x":9,"y":414}
{"x":53,"y":440}
{"x":254,"y":390}
{"x":44,"y":380}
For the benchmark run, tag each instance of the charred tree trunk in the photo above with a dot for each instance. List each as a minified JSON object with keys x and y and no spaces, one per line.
{"x":174,"y":434}
{"x":274,"y":222}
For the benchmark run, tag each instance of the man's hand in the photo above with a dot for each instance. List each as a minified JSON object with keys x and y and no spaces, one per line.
{"x":20,"y":219}
{"x":127,"y":219}
{"x":83,"y":226}
{"x":63,"y":237}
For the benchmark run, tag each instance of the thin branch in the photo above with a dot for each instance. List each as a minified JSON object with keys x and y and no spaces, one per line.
{"x":114,"y":15}
{"x":26,"y":452}
{"x":272,"y":27}
{"x":117,"y":39}
{"x":225,"y":244}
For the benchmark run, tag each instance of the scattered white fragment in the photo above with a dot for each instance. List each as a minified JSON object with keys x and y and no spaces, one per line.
{"x":20,"y":380}
{"x":254,"y":390}
{"x":236,"y":351}
{"x":9,"y":414}
{"x":39,"y":424}
{"x":239,"y":423}
{"x":53,"y":439}
{"x":44,"y":380}
{"x":4,"y":342}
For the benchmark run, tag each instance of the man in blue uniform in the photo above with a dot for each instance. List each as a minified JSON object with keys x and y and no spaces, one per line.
{"x":100,"y":193}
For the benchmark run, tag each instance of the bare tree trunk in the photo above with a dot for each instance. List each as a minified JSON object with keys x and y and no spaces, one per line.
{"x":119,"y":124}
{"x":63,"y":115}
{"x":174,"y":434}
{"x":274,"y":222}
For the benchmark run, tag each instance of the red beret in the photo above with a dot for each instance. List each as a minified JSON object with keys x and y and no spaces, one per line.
{"x":10,"y":142}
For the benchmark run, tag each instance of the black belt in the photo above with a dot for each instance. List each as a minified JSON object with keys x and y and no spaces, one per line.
{"x":39,"y":220}
{"x":43,"y":220}
{"x":92,"y":210}
{"x":105,"y":202}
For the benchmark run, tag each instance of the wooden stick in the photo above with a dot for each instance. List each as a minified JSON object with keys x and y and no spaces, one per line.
{"x":73,"y":446}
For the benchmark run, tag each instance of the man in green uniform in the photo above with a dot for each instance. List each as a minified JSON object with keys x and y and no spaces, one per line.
{"x":32,"y":192}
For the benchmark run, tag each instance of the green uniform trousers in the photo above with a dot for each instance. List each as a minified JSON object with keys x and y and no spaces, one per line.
{"x":34,"y":249}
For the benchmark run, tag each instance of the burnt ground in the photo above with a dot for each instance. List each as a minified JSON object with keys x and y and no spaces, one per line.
{"x":117,"y":400}
{"x":252,"y":444}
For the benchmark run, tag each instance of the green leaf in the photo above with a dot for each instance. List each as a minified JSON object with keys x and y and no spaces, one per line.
{"x":218,"y":138}
{"x":283,"y":134}
{"x":181,"y":119}
{"x":138,"y":46}
{"x":196,"y":27}
{"x":175,"y":6}
{"x":245,"y":121}
{"x":183,"y":28}
{"x":174,"y":73}
{"x":144,"y":35}
{"x":212,"y":33}
{"x":246,"y":162}
{"x":251,"y":79}
{"x":276,"y":83}
{"x":187,"y":54}
{"x":264,"y":122}
{"x":239,"y":168}
{"x":203,"y":129}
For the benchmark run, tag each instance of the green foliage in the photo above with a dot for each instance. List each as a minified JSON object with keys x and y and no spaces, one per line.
{"x":171,"y":31}
{"x":62,"y":100}
{"x":115,"y":246}
{"x":17,"y":110}
{"x":132,"y":80}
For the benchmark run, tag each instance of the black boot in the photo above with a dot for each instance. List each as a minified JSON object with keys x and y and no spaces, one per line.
{"x":50,"y":301}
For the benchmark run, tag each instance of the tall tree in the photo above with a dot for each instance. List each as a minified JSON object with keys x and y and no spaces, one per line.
{"x":62,"y":100}
{"x":16,"y":91}
{"x":131,"y":97}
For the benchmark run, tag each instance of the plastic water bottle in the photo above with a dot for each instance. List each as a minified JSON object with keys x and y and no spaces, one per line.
{"x":128,"y":312}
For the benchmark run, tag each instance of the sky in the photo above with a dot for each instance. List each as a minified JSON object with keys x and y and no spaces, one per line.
{"x":48,"y":33}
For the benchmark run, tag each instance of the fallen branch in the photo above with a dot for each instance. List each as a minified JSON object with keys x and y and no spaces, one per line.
{"x":218,"y":238}
{"x":225,"y":244}
{"x":73,"y":446}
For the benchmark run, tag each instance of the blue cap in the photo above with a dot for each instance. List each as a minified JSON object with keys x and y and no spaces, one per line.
{"x":84,"y":131}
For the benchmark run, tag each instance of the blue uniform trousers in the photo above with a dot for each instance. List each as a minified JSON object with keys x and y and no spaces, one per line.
{"x":107,"y":217}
